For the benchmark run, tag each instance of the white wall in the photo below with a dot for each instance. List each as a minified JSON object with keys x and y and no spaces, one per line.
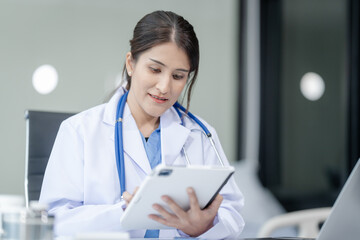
{"x":86,"y":40}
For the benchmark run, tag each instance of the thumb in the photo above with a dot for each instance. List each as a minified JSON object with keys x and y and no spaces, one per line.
{"x":135,"y":191}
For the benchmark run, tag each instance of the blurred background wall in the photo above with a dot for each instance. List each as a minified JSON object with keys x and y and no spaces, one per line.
{"x":261,"y":63}
{"x":309,"y":99}
{"x":86,"y":41}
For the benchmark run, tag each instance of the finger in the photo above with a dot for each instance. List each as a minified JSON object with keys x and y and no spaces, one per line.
{"x":214,"y":206}
{"x":127,"y":197}
{"x":177,"y":210}
{"x":161,"y":220}
{"x":194,"y":203}
{"x":163,"y":212}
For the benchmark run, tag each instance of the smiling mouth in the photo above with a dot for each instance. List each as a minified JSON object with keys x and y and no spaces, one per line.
{"x":158,"y":99}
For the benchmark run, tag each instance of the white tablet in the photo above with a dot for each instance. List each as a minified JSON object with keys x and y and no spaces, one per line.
{"x":173,"y":181}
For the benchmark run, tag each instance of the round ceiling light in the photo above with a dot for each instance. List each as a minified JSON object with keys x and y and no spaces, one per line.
{"x":45,"y":79}
{"x":312,"y":86}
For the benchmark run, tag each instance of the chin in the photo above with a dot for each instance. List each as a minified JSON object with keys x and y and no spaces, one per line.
{"x":155,"y":112}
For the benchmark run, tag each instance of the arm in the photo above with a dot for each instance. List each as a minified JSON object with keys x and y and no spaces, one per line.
{"x":228,"y":223}
{"x":63,"y":189}
{"x":222,"y":219}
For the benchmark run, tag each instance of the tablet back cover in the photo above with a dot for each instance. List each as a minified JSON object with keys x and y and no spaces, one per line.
{"x":173,"y":181}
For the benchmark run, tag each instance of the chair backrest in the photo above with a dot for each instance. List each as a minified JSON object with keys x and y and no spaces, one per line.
{"x":41,"y":131}
{"x":307,"y":222}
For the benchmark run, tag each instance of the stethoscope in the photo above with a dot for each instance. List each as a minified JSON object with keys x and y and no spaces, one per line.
{"x":119,"y":145}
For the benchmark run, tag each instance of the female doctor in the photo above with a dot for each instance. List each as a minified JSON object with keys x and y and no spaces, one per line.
{"x":81,"y":184}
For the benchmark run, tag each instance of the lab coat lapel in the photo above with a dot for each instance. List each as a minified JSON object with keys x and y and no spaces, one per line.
{"x":110,"y":109}
{"x":133,"y":144}
{"x":173,"y":136}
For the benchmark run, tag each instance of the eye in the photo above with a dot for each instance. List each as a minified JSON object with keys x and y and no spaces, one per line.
{"x":178,"y":77}
{"x":155,"y":70}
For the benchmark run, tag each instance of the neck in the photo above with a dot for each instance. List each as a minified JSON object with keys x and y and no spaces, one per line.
{"x":147,"y":127}
{"x":145,"y":122}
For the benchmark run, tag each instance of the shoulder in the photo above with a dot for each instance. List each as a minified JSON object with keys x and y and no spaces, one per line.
{"x":192,"y":124}
{"x":191,"y":121}
{"x":98,"y":115}
{"x":92,"y":115}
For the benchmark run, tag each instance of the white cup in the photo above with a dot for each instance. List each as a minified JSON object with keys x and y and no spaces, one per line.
{"x":7,"y":200}
{"x":10,"y":209}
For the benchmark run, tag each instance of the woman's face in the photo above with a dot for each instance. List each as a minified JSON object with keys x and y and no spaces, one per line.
{"x":157,"y":79}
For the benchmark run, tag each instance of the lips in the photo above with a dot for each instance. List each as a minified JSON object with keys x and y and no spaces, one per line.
{"x":158,"y":99}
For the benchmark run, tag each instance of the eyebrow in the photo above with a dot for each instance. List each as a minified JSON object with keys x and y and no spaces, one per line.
{"x":162,"y":64}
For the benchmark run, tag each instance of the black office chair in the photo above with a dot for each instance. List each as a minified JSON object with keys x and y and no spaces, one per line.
{"x":41,"y":130}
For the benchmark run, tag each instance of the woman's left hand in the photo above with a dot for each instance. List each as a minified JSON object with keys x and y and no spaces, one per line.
{"x":193,"y":222}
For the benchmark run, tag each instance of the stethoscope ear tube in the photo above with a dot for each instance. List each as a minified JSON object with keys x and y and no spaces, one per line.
{"x":178,"y":106}
{"x":216,"y":151}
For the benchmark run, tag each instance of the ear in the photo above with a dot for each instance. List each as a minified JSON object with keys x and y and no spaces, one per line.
{"x":129,"y":64}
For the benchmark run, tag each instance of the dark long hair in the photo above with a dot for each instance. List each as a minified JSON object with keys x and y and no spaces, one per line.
{"x":161,"y":27}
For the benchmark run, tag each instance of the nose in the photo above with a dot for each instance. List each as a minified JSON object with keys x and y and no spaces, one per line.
{"x":163,"y":84}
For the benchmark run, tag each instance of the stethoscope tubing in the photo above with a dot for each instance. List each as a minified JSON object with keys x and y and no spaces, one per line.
{"x":119,"y":146}
{"x":178,"y":106}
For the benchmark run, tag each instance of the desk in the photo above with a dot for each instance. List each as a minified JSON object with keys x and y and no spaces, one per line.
{"x":179,"y":238}
{"x":281,"y":238}
{"x":278,"y":238}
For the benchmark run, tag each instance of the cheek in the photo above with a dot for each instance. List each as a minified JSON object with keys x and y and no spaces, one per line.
{"x":142,"y":82}
{"x":179,"y":87}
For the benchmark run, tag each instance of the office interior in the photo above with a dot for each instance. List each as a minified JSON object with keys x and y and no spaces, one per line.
{"x":278,"y":79}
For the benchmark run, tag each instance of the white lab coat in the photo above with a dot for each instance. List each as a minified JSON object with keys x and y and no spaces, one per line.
{"x":81,"y":184}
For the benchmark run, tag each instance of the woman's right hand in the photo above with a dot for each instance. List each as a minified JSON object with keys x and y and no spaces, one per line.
{"x":128,"y":196}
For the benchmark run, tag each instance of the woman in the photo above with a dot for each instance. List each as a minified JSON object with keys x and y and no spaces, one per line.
{"x":81,"y":183}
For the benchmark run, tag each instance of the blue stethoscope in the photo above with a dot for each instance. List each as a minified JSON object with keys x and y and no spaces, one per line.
{"x":119,"y":145}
